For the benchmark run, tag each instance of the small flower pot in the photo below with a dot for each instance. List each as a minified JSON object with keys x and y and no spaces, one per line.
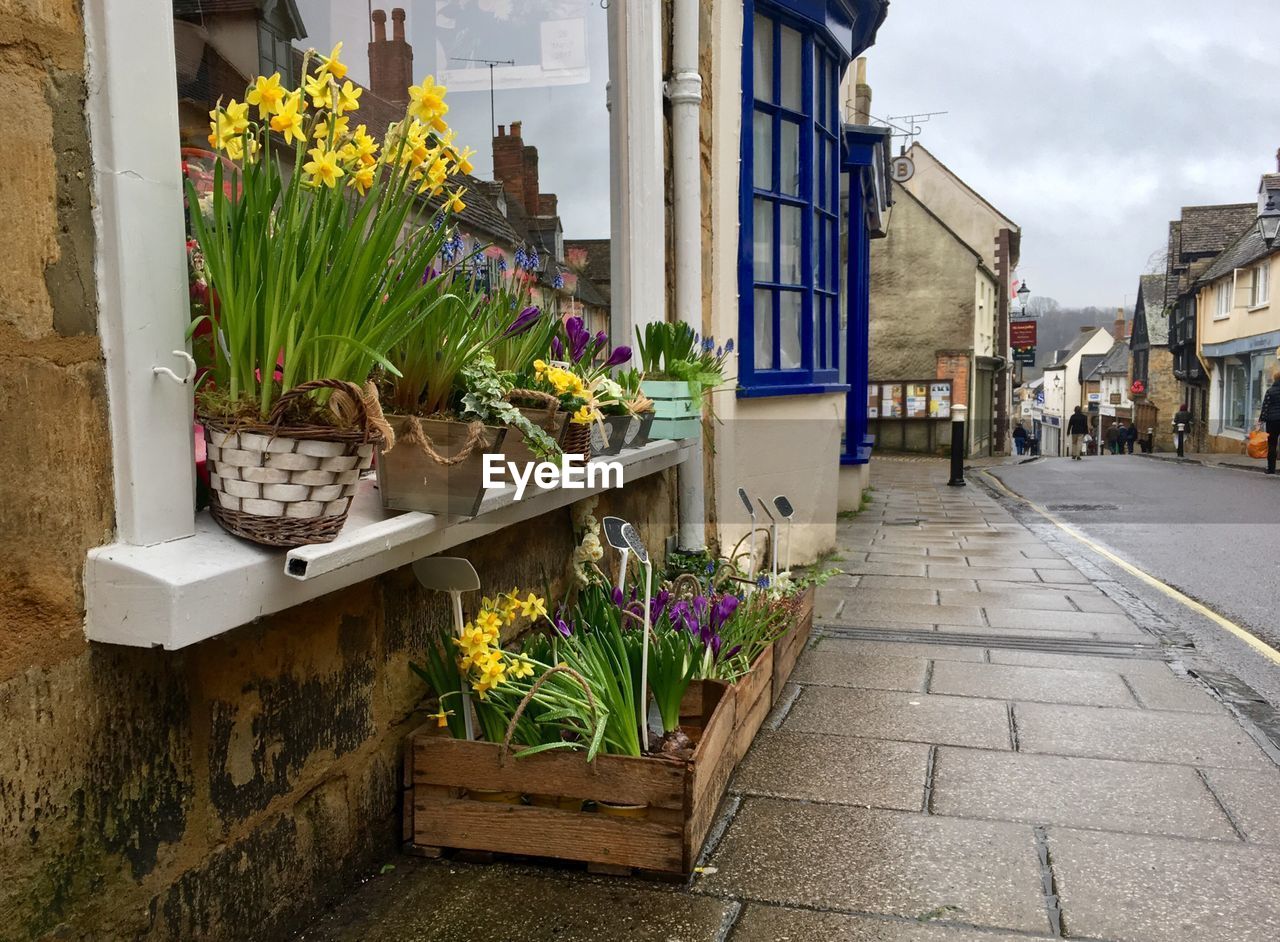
{"x":515,"y":447}
{"x":614,"y":810}
{"x":640,"y":430}
{"x":436,"y":465}
{"x":676,"y":414}
{"x":576,"y":438}
{"x":556,"y":801}
{"x":616,"y":427}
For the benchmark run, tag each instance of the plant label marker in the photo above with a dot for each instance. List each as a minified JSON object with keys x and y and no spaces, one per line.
{"x":642,"y":554}
{"x":613,"y":535}
{"x":773,"y":538}
{"x":783,"y":505}
{"x":454,"y":575}
{"x":751,"y":512}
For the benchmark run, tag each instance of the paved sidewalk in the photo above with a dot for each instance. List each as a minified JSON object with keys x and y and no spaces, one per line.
{"x":979,"y":745}
{"x":1213,"y":460}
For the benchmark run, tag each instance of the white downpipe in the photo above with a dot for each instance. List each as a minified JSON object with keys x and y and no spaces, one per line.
{"x":685,"y":91}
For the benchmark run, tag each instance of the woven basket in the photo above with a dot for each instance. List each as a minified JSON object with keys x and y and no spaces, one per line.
{"x":576,"y":439}
{"x":548,"y":417}
{"x":288,"y":486}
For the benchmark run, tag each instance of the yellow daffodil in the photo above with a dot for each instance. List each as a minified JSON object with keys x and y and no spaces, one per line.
{"x":321,"y":132}
{"x":462,"y":160}
{"x":454,"y":204}
{"x":540,"y":368}
{"x":320,"y":88}
{"x":365,"y":147}
{"x":521,"y":668}
{"x":490,"y":623}
{"x":267,"y":94}
{"x":238,"y":116}
{"x":329,"y":65}
{"x":441,"y":718}
{"x":361,"y":179}
{"x":348,"y":98}
{"x":584,"y":416}
{"x":323,"y":167}
{"x":533,"y":607}
{"x":427,"y":104}
{"x":288,"y":120}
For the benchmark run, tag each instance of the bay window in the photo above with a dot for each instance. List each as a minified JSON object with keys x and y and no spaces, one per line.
{"x":789,"y":317}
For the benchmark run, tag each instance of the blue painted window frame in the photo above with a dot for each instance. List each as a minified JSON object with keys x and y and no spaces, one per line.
{"x":817,"y":197}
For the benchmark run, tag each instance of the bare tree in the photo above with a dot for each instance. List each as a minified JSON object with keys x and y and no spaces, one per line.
{"x":1157,"y":262}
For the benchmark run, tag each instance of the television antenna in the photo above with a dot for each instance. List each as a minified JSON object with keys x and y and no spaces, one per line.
{"x":493,"y":122}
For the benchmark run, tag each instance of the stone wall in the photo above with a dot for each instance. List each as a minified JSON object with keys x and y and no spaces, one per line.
{"x":1165,"y":393}
{"x":223,"y":791}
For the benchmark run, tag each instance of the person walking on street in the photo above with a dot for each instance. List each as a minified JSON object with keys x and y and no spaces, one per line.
{"x":1269,"y":418}
{"x":1077,"y":428}
{"x":1020,"y":439}
{"x":1112,"y":438}
{"x":1181,"y":426}
{"x":1130,"y":438}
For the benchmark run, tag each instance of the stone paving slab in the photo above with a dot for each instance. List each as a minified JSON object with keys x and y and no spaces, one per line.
{"x":1074,"y":591}
{"x":1140,"y":735}
{"x":1038,"y":684}
{"x":1036,"y":601}
{"x":1093,"y":601}
{"x":1159,"y":889}
{"x":1144,"y":798}
{"x":887,"y":596}
{"x":947,"y":652}
{"x":1078,"y":621}
{"x":838,"y":769}
{"x":1168,"y":691}
{"x":876,"y":581}
{"x":439,"y":901}
{"x":883,"y":569}
{"x":944,"y":571}
{"x":911,"y":717}
{"x":1048,"y":633}
{"x":1252,"y":799}
{"x":888,"y":862}
{"x":1130,"y":667}
{"x":760,"y":923}
{"x":856,"y":610}
{"x":823,"y":663}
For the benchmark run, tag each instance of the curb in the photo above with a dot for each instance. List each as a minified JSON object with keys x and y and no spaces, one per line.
{"x":1206,"y":464}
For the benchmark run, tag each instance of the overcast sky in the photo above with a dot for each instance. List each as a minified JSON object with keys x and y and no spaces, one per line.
{"x":1088,"y":123}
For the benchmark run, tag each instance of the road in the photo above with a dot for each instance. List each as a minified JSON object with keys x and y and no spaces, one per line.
{"x":1212,"y":533}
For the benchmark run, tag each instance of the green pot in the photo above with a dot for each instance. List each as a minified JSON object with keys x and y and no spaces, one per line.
{"x":676,"y":414}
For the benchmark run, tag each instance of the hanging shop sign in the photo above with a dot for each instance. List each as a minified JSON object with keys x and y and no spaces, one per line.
{"x":1024,"y":355}
{"x":1022,"y":334}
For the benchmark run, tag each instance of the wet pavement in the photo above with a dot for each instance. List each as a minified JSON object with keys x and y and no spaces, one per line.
{"x":980,"y":743}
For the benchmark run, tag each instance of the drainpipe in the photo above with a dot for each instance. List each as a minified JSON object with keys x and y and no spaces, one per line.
{"x":685,"y":93}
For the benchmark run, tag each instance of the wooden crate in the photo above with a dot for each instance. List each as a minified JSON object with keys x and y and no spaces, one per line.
{"x":787,"y":649}
{"x":754,"y":701}
{"x":682,"y":796}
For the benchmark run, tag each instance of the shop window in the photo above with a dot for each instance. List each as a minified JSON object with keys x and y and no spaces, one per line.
{"x":1235,"y":396}
{"x":790,"y":258}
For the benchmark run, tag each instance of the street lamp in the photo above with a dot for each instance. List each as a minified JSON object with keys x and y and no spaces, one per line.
{"x":1270,"y":220}
{"x":1023,"y":293}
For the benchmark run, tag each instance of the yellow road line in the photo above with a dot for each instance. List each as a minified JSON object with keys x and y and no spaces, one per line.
{"x":1248,"y":638}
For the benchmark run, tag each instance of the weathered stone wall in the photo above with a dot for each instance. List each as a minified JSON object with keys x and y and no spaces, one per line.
{"x":223,"y":791}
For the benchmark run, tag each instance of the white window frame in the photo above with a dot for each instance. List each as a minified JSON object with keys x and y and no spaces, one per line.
{"x":142,"y":300}
{"x":1225,"y":299}
{"x":1260,"y":285}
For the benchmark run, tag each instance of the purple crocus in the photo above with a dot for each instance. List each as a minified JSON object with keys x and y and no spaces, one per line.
{"x":562,"y":626}
{"x":527,"y":318}
{"x":579,"y":337}
{"x":557,"y":348}
{"x":723,"y":610}
{"x":619,"y":356}
{"x":618,"y":598}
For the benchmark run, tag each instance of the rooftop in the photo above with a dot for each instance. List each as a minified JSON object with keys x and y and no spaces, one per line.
{"x":1152,"y":299}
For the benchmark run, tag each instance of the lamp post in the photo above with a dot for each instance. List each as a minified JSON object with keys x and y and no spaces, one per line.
{"x":957,"y":446}
{"x":1023,"y":293}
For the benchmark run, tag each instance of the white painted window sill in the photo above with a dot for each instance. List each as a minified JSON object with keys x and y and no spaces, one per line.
{"x":175,"y":594}
{"x":1260,"y":307}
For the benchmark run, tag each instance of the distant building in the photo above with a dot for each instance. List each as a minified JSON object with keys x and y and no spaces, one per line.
{"x":1195,"y":240}
{"x":1065,"y":386}
{"x":1155,"y":391}
{"x":934,"y":322}
{"x":1239,"y":329}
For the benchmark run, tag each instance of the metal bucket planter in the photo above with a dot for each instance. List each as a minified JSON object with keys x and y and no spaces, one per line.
{"x":616,"y":428}
{"x":549,"y":418}
{"x":436,"y":465}
{"x":638,"y":433}
{"x":286,"y":486}
{"x":675,"y":413}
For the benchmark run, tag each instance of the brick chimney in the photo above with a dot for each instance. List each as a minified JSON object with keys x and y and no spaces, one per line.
{"x":515,"y":164}
{"x":1121,"y":329}
{"x":390,"y":60}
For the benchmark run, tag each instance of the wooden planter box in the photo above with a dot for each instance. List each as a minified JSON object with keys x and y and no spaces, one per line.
{"x":754,"y":701}
{"x":682,"y":796}
{"x":787,"y":649}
